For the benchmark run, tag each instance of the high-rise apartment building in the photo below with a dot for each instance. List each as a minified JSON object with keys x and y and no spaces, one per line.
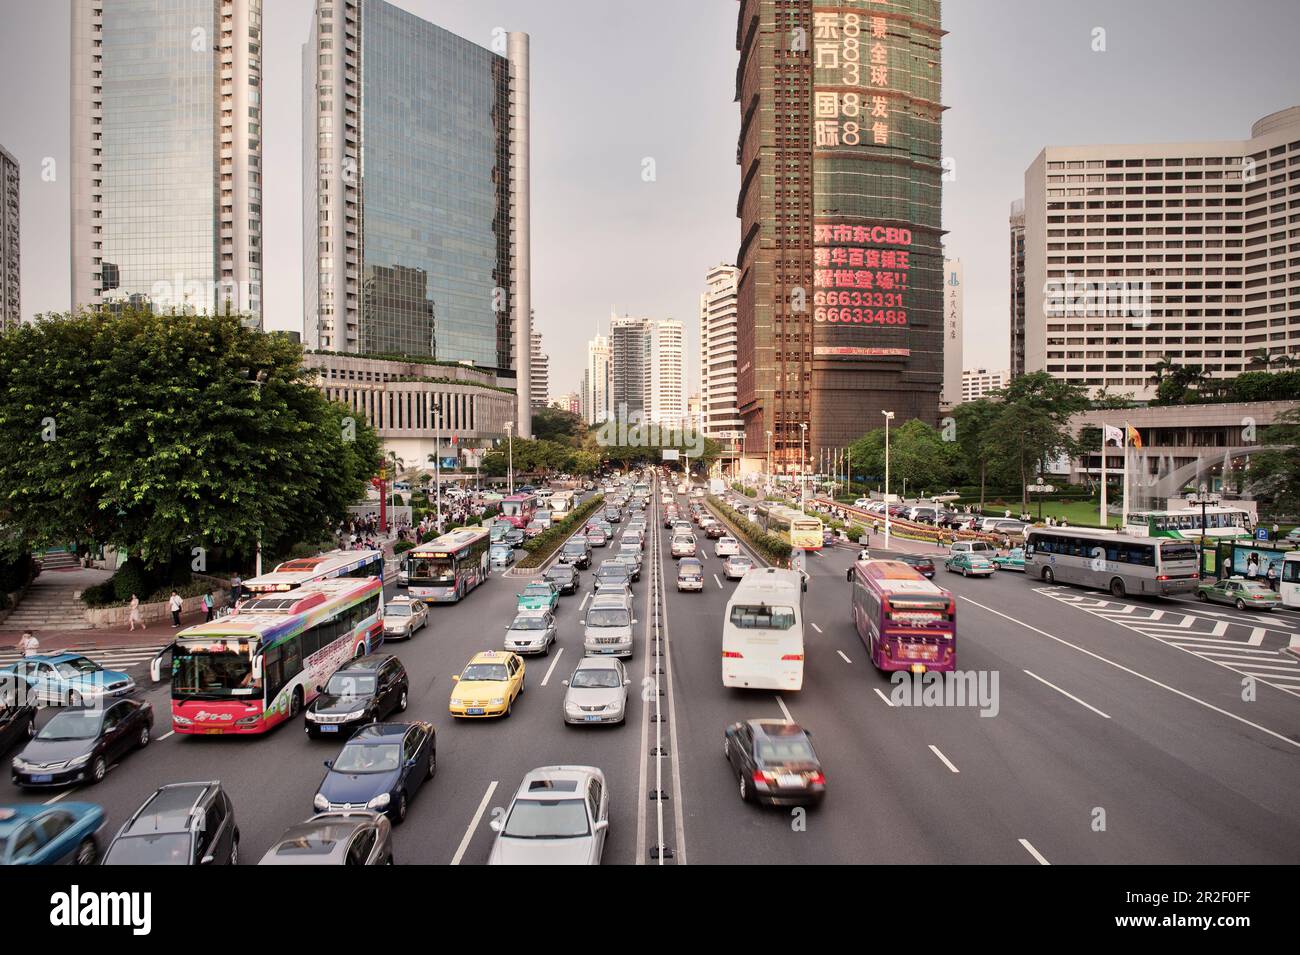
{"x":667,"y":373}
{"x":596,"y":382}
{"x":840,"y":303}
{"x":1134,"y":253}
{"x":1017,"y":275}
{"x":416,"y":191}
{"x":631,"y":348}
{"x":719,"y":413}
{"x":978,"y":382}
{"x":953,"y":302}
{"x":10,"y":297}
{"x":571,"y":402}
{"x":166,"y":154}
{"x":540,"y":372}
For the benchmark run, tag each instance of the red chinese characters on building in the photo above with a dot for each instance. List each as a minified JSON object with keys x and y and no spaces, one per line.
{"x":857,"y":278}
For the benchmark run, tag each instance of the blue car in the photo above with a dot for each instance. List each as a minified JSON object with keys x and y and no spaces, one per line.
{"x":59,"y":679}
{"x":66,"y":833}
{"x":379,"y":769}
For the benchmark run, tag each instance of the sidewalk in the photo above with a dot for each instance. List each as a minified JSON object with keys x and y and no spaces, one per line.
{"x":52,"y":640}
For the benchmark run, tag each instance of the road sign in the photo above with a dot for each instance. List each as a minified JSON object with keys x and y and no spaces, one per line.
{"x":1261,"y":533}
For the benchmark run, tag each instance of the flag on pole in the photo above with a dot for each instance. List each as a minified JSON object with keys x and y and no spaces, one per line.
{"x":1111,"y":433}
{"x":1134,"y":438}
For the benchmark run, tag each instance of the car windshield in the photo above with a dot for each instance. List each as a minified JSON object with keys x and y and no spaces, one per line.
{"x":491,"y":672}
{"x":172,"y":848}
{"x":610,"y":617}
{"x":737,"y":561}
{"x":73,"y":724}
{"x":612,"y":570}
{"x":351,"y":684}
{"x":529,"y":623}
{"x":575,"y":547}
{"x":688,"y":567}
{"x":77,"y":667}
{"x":794,"y":750}
{"x":397,"y":610}
{"x":547,"y":819}
{"x":559,"y":572}
{"x":592,"y":678}
{"x":369,"y":758}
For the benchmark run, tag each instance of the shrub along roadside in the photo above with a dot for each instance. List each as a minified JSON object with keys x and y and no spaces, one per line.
{"x":544,"y":544}
{"x":773,"y":548}
{"x":744,"y":489}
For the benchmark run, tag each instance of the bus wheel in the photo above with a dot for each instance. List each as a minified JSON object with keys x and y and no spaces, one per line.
{"x":1048,"y":576}
{"x":361,"y":651}
{"x":1116,"y":587}
{"x":295,"y":703}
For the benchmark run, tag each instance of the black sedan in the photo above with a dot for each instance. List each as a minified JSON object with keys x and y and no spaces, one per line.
{"x":361,"y":691}
{"x":379,"y":769}
{"x":17,"y":724}
{"x":564,"y":576}
{"x":774,"y":762}
{"x":78,"y":745}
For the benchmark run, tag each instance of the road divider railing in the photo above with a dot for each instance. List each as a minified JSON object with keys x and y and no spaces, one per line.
{"x":773,"y":548}
{"x":910,"y":530}
{"x":540,"y":548}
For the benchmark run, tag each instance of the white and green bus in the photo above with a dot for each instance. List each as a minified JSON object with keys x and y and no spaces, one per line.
{"x":1220,"y":521}
{"x":1119,"y":563}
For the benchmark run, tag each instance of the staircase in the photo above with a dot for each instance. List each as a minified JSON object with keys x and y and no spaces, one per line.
{"x":50,"y":604}
{"x":58,"y":560}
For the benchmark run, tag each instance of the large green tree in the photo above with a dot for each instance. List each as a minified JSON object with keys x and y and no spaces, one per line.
{"x":1032,"y":425}
{"x":919,"y":457}
{"x":1274,"y":476}
{"x":978,"y":440}
{"x":556,"y":424}
{"x":158,"y":433}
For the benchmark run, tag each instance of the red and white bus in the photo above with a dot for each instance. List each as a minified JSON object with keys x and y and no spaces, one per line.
{"x":905,"y":621}
{"x":446,"y":568}
{"x":250,"y":671}
{"x":293,"y":574}
{"x":519,"y":509}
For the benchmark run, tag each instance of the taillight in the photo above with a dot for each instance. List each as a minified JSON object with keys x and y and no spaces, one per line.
{"x":793,"y":657}
{"x":817,"y":779}
{"x":731,"y":655}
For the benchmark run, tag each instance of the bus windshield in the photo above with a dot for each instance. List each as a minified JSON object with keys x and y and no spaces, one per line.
{"x":762,"y":617}
{"x":208,"y":674}
{"x":440,"y":570}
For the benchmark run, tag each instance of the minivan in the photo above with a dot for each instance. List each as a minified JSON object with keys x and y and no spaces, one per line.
{"x":973,"y":547}
{"x":607,"y":628}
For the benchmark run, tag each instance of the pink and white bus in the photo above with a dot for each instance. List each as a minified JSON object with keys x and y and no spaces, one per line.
{"x":292,"y":574}
{"x":250,"y":671}
{"x":905,"y":621}
{"x":518,"y":509}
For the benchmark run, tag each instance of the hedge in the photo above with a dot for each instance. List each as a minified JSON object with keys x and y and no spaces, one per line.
{"x":745,"y":490}
{"x":544,"y":544}
{"x":773,"y":548}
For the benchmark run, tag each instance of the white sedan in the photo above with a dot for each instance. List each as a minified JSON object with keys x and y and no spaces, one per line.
{"x":727,"y":547}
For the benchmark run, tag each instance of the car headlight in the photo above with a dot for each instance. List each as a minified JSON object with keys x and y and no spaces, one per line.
{"x":21,"y":764}
{"x":498,"y":701}
{"x":78,"y":761}
{"x":182,"y":720}
{"x":379,"y":802}
{"x":321,"y":803}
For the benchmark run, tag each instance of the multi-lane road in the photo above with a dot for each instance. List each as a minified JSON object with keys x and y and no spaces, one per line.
{"x":1115,"y":731}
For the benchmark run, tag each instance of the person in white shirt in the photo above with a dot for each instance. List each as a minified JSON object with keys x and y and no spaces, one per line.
{"x":174,"y":604}
{"x":28,"y":645}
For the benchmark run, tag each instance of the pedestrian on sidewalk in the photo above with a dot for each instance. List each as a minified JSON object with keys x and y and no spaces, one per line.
{"x":174,"y":604}
{"x":135,"y":615}
{"x":236,"y":587}
{"x":27,"y":644}
{"x":209,"y":604}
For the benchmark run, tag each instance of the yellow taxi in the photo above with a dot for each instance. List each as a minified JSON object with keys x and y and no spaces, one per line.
{"x":488,"y":685}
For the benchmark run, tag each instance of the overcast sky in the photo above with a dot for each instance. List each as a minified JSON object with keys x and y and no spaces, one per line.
{"x":616,"y":81}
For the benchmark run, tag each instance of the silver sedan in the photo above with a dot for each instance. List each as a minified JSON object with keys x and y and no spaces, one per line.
{"x":559,"y":816}
{"x":596,"y":692}
{"x":533,"y":631}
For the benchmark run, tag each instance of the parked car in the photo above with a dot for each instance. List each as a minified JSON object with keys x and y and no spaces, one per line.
{"x":58,"y":679}
{"x":335,"y":838}
{"x":381,"y":768}
{"x":538,"y":594}
{"x":690,"y":574}
{"x":736,"y":566}
{"x":559,"y":816}
{"x":923,"y":565}
{"x":488,"y":686}
{"x":532,"y":631}
{"x":774,"y":762}
{"x":1014,"y":560}
{"x":361,"y":691}
{"x":596,"y":692}
{"x":1239,"y":592}
{"x":969,"y":564}
{"x":403,"y":617}
{"x":180,"y":824}
{"x":63,"y":834}
{"x":79,"y":745}
{"x":563,"y":576}
{"x":576,"y":551}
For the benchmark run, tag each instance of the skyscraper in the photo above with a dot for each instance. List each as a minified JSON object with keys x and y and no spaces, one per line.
{"x":595,"y":382}
{"x":166,"y":154}
{"x":415,"y":191}
{"x":840,"y":308}
{"x":667,"y":373}
{"x":721,"y":417}
{"x":539,"y":366}
{"x":10,"y":299}
{"x":1017,"y":274}
{"x":631,"y":348}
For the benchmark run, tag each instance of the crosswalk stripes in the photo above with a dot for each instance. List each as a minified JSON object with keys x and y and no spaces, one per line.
{"x":111,"y":658}
{"x":1235,"y":646}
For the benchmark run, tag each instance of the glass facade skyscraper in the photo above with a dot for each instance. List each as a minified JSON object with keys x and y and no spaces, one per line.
{"x":412,"y":203}
{"x":166,"y":154}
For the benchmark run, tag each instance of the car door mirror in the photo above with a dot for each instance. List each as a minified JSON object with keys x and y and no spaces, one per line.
{"x":329,"y":764}
{"x":496,"y":825}
{"x":627,"y":682}
{"x":601,"y":825}
{"x":564,"y":683}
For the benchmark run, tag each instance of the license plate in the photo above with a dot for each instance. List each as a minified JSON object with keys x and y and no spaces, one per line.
{"x":592,"y":718}
{"x":475,"y":711}
{"x":788,"y":781}
{"x":43,"y":778}
{"x":215,"y":731}
{"x":329,"y":729}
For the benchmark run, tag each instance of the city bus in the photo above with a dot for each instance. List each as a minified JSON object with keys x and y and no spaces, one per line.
{"x":445,"y":569}
{"x":1289,"y":581}
{"x":518,"y":509}
{"x":803,"y":530}
{"x":762,"y":633}
{"x":905,"y":621}
{"x":1120,"y":563}
{"x":293,"y":574}
{"x":561,"y":503}
{"x":1220,"y":521}
{"x":248,"y":672}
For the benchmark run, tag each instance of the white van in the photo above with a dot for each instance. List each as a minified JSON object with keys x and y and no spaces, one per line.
{"x":762,"y":635}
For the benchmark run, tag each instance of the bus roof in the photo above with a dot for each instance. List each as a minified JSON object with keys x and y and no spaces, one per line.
{"x":451,"y":542}
{"x":292,"y":573}
{"x":896,"y":577}
{"x":1088,"y":532}
{"x":279,"y":612}
{"x":763,"y":583}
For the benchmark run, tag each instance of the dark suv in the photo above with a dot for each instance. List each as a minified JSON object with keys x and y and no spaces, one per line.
{"x":576,"y":551}
{"x":361,"y":691}
{"x":180,"y":824}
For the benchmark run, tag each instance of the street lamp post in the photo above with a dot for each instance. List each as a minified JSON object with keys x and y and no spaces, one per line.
{"x":803,"y":467}
{"x":510,"y":446}
{"x":889,"y":416}
{"x":1204,"y":498}
{"x":767,"y":478}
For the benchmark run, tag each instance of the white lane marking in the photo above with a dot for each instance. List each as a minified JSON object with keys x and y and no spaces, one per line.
{"x":1140,"y":676}
{"x":717,"y":581}
{"x":846,"y":659}
{"x":165,"y":735}
{"x":817,"y":628}
{"x":944,"y":759}
{"x":887,"y":700}
{"x":583,"y":606}
{"x":781,"y":703}
{"x":1034,"y":852}
{"x":473,"y":823}
{"x":1070,"y":695}
{"x":551,"y":669}
{"x":52,"y":800}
